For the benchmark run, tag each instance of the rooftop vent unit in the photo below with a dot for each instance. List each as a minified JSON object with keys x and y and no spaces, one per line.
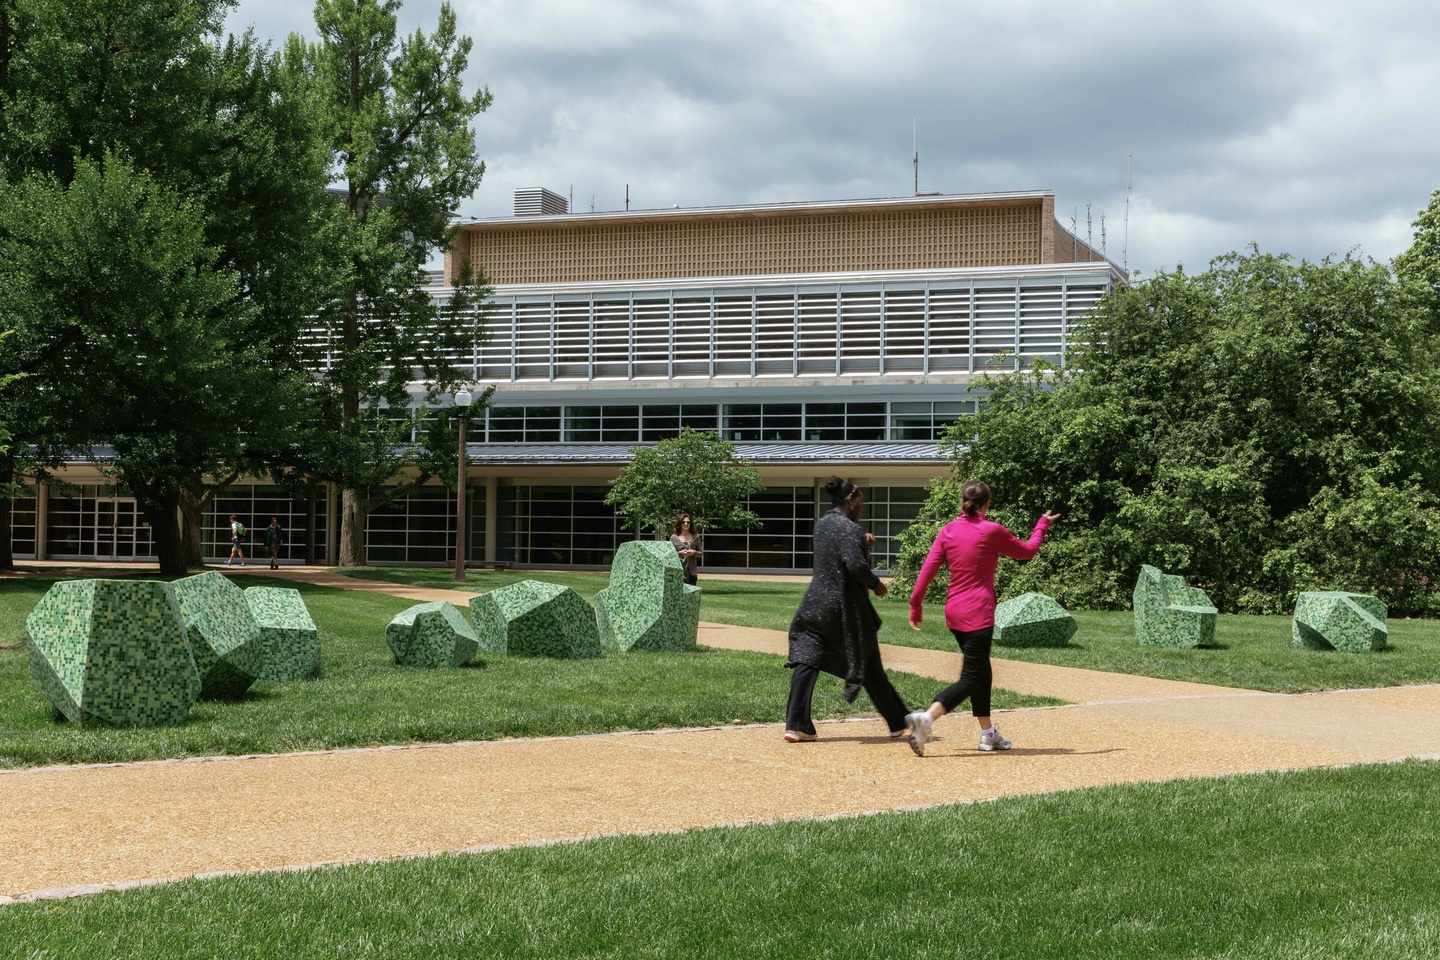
{"x":539,"y":202}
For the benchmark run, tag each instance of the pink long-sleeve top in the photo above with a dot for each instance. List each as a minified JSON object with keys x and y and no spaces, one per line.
{"x":971,"y":546}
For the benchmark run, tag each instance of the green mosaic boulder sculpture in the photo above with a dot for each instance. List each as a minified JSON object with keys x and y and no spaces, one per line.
{"x":431,"y":635}
{"x":289,"y":642}
{"x":1170,"y":613}
{"x":224,"y":637}
{"x":1033,"y":620}
{"x":648,"y":605}
{"x":535,"y":619}
{"x":1333,"y":620}
{"x":112,"y":652}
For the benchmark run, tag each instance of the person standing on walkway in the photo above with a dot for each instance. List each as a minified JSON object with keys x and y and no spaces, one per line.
{"x":970,"y":546}
{"x":274,"y":540}
{"x":687,"y":545}
{"x":237,"y":530}
{"x":836,"y":630}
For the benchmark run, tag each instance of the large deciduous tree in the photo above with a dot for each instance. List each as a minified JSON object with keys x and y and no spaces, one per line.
{"x":216,"y":133}
{"x":1263,"y":427}
{"x":696,"y":472}
{"x":397,"y":122}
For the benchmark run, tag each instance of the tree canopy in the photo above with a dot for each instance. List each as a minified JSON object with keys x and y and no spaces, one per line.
{"x":696,"y":472}
{"x":1263,"y":427}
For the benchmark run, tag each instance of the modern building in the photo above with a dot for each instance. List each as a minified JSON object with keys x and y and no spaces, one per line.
{"x":828,"y":338}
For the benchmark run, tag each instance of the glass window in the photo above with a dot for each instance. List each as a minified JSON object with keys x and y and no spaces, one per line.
{"x":542,"y":424}
{"x":620,"y":424}
{"x":582,"y":424}
{"x":507,"y":424}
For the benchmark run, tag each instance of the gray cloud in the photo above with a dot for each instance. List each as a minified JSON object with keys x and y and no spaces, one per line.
{"x":1305,"y":127}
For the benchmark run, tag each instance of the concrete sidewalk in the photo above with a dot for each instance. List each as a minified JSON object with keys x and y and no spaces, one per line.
{"x":72,"y":829}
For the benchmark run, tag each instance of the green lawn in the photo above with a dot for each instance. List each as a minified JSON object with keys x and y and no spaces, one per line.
{"x":1250,"y":652}
{"x":364,"y":699}
{"x":1298,"y":866}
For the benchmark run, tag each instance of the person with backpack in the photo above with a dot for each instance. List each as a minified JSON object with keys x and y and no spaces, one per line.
{"x":274,"y":539}
{"x":237,"y":530}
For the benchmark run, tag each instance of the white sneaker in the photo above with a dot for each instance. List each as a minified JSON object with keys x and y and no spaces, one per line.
{"x":991,"y":740}
{"x":921,"y":731}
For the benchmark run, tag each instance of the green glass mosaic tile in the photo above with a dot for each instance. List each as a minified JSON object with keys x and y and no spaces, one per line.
{"x":1171,"y":613}
{"x":536,"y":619}
{"x":431,"y":635}
{"x":1335,"y":620}
{"x":112,"y":652}
{"x":223,"y":634}
{"x":289,"y":642}
{"x":1033,"y":620}
{"x":648,"y":605}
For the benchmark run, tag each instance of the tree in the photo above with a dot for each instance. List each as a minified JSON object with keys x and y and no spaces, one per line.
{"x":696,"y":472}
{"x":149,"y":84}
{"x":1419,"y":266}
{"x":397,"y":125}
{"x":140,"y":336}
{"x":1262,"y":428}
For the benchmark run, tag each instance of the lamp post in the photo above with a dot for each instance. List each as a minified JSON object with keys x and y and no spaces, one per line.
{"x":462,"y":403}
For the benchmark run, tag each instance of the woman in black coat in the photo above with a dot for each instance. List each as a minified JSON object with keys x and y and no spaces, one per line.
{"x":836,"y":629}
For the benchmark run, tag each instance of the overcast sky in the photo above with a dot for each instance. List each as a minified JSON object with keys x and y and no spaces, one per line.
{"x":1305,"y":127}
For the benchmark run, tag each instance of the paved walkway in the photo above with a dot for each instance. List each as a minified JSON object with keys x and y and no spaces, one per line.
{"x":68,"y":830}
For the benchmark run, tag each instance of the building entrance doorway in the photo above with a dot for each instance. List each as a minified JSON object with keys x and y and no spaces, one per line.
{"x":118,"y":531}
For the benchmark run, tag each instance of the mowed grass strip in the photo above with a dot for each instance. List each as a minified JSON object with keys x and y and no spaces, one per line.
{"x":1251,"y":652}
{"x":364,"y":699}
{"x":1298,"y":866}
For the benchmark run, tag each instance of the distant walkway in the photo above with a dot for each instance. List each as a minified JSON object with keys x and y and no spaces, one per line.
{"x":67,"y":830}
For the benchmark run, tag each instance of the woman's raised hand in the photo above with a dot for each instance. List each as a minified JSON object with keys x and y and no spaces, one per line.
{"x":1051,"y":515}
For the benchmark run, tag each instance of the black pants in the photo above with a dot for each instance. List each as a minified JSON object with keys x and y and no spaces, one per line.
{"x":877,"y":687}
{"x":975,"y":675}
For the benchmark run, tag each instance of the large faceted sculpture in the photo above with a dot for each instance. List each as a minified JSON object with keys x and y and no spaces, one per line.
{"x":431,"y":635}
{"x":534,"y":619}
{"x":1170,"y":613}
{"x":1033,"y":620}
{"x":224,"y":637}
{"x":648,"y":605}
{"x":112,"y":652}
{"x":1333,"y":620}
{"x":289,"y":642}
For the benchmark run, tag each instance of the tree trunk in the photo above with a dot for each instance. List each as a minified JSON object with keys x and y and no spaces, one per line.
{"x":165,"y":528}
{"x":352,"y":528}
{"x":7,"y":552}
{"x":192,"y":513}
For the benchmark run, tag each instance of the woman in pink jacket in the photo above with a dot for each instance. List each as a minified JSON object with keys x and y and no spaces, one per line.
{"x":971,"y":546}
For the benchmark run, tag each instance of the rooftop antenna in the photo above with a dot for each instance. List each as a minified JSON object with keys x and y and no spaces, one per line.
{"x":1074,"y":234}
{"x":915,"y":142}
{"x":571,"y":208}
{"x":1125,"y":243}
{"x":627,"y":196}
{"x":592,"y":203}
{"x":1089,"y":235}
{"x":1102,"y":234}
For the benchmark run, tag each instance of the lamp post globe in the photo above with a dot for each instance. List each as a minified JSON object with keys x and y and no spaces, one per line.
{"x":463,"y":399}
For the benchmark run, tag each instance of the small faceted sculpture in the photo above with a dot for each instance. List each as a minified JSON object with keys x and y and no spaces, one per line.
{"x":1033,"y":620}
{"x":112,"y":653}
{"x":1334,"y":620}
{"x":431,"y":635}
{"x":1171,"y":613}
{"x":289,"y":642}
{"x":535,"y":619}
{"x":648,"y":605}
{"x":224,"y":637}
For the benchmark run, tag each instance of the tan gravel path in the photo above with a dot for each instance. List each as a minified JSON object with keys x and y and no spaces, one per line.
{"x":70,"y":829}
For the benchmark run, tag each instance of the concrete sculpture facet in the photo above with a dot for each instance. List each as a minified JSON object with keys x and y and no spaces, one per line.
{"x":112,"y":652}
{"x":289,"y":642}
{"x":535,"y":619}
{"x":1334,"y":620}
{"x":1033,"y":620}
{"x":431,"y":635}
{"x":1170,"y":613}
{"x":224,"y":637}
{"x":648,"y":605}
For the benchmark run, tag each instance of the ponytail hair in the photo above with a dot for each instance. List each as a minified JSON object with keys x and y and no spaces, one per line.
{"x":974,"y":498}
{"x":840,"y":490}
